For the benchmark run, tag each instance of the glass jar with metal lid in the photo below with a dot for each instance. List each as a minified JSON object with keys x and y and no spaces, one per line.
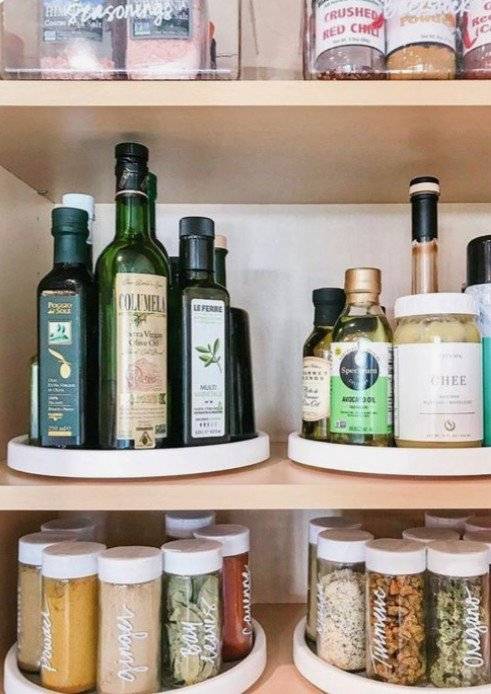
{"x":437,"y":372}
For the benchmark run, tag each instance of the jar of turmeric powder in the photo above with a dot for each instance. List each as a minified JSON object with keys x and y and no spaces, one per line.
{"x":69,"y":617}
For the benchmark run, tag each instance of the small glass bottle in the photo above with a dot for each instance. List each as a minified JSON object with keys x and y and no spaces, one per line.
{"x":316,"y":376}
{"x":192,"y":599}
{"x":396,"y":632}
{"x":70,"y":611}
{"x":181,"y":525}
{"x":427,"y":535}
{"x":316,"y":526}
{"x":458,"y":619}
{"x":130,"y":592}
{"x":80,"y":528}
{"x":341,"y":580}
{"x":424,"y":193}
{"x":238,"y":632}
{"x":29,"y":597}
{"x":455,"y":520}
{"x":361,"y":376}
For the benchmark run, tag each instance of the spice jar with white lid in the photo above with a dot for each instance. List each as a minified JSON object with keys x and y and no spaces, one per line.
{"x":455,"y":520}
{"x":181,"y":525}
{"x":438,"y":399}
{"x":192,"y":618}
{"x":237,"y":608}
{"x":316,"y":526}
{"x":70,"y":631}
{"x":477,"y":523}
{"x":396,"y":638}
{"x":82,"y":528}
{"x":427,"y":535}
{"x":341,"y":579}
{"x":29,"y":597}
{"x":130,"y":593}
{"x":458,"y":618}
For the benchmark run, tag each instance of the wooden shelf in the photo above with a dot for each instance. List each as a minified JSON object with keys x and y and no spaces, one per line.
{"x":253,"y":142}
{"x":276,"y":484}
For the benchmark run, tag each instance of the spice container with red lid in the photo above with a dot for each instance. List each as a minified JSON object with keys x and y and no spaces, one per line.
{"x":237,"y":609}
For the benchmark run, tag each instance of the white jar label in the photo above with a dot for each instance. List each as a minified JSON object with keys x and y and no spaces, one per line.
{"x":476,"y":25}
{"x":438,"y":392}
{"x":316,"y":389}
{"x":341,"y":23}
{"x":208,"y":368}
{"x":419,"y":21}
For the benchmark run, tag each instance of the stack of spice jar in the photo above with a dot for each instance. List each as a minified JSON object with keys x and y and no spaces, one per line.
{"x":129,"y":620}
{"x":409,"y":611}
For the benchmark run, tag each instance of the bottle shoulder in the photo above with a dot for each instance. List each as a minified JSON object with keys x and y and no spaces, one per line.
{"x":318,"y":341}
{"x":123,"y":256}
{"x":372,"y":327}
{"x":203,"y":289}
{"x":69,"y":278}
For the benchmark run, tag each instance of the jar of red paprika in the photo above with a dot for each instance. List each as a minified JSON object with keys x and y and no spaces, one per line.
{"x":238,"y":632}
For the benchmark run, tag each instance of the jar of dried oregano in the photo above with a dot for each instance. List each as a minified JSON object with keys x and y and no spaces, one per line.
{"x":341,"y":598}
{"x":192,"y":612}
{"x":458,"y":618}
{"x":396,"y":638}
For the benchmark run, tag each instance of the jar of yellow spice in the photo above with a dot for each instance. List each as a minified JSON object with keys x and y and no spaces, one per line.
{"x":437,"y":372}
{"x":70,"y":615}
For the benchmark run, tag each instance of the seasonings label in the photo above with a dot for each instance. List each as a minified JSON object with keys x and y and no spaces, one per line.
{"x":64,"y":20}
{"x":61,"y":364}
{"x":141,"y":392}
{"x":316,"y":389}
{"x":170,"y":19}
{"x":419,"y":22}
{"x":438,"y":393}
{"x":208,"y":368}
{"x":476,"y":24}
{"x":341,"y":23}
{"x":361,"y":388}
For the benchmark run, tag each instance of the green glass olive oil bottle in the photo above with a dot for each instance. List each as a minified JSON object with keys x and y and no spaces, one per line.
{"x":316,"y":377}
{"x":362,"y":359}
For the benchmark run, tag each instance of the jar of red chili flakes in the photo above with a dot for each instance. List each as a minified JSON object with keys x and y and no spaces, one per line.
{"x":237,"y":609}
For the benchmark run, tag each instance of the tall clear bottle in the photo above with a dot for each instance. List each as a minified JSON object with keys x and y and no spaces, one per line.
{"x":424,"y":193}
{"x":133,"y":277}
{"x":362,"y":358}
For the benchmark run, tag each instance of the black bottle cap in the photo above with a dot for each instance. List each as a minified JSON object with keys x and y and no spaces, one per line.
{"x":479,"y":261}
{"x":329,"y":303}
{"x":132,"y":151}
{"x":197,"y":226}
{"x":70,"y":220}
{"x":424,"y":192}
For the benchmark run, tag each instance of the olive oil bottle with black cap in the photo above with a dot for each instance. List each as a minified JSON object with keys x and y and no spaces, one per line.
{"x":316,"y":380}
{"x":204,"y":338}
{"x":424,"y":193}
{"x":67,"y":324}
{"x":133,"y":277}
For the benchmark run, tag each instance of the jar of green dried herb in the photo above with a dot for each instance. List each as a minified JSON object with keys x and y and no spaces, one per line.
{"x":192,"y":612}
{"x":458,"y":620}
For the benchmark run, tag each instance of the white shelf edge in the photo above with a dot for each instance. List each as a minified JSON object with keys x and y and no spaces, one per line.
{"x":136,"y":464}
{"x":238,"y":679}
{"x":404,"y":462}
{"x":331,"y":680}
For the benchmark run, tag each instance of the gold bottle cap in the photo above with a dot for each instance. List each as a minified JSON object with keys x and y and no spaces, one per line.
{"x":221,"y":242}
{"x":363,"y":280}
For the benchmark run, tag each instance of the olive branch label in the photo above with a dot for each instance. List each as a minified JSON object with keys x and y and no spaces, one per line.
{"x":139,"y":318}
{"x":65,"y":367}
{"x":209,"y":354}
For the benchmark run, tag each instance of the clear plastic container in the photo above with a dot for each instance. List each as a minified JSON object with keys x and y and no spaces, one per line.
{"x":127,"y":39}
{"x":477,"y":523}
{"x":427,"y":535}
{"x":181,"y":525}
{"x":455,"y":520}
{"x":341,"y":582}
{"x":396,"y":638}
{"x":458,"y":618}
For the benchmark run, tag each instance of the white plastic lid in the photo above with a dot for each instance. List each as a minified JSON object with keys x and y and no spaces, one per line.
{"x":130,"y":565}
{"x":84,"y":528}
{"x":221,"y":242}
{"x":343,"y":546}
{"x":475,"y":523}
{"x":317,"y":525}
{"x":71,"y":560}
{"x":181,"y":525}
{"x":435,"y":304}
{"x":235,"y":539}
{"x":192,"y":557}
{"x":455,"y":520}
{"x":396,"y":557}
{"x":458,"y":558}
{"x":428,"y":535}
{"x":81,"y":202}
{"x":31,"y":546}
{"x":483,"y":536}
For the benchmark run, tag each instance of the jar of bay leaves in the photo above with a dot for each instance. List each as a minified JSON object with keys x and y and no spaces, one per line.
{"x":192,"y":612}
{"x":458,"y":620}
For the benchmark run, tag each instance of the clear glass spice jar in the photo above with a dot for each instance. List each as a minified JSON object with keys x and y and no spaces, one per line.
{"x":130,"y":593}
{"x":29,"y":597}
{"x":192,"y":612}
{"x":316,"y":526}
{"x":427,"y":535}
{"x":70,"y":631}
{"x":238,"y":633}
{"x":455,"y":520}
{"x":438,"y":398}
{"x":458,"y":617}
{"x":477,"y":523}
{"x":341,"y":580}
{"x":396,"y":633}
{"x":81,"y":528}
{"x":483,"y":536}
{"x":181,"y":525}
